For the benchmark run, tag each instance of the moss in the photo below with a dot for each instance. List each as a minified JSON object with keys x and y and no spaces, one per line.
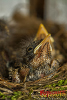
{"x":60,"y":83}
{"x":56,"y":76}
{"x":65,"y":82}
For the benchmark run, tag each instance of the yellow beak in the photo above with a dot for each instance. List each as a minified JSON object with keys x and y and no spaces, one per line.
{"x":47,"y":39}
{"x":42,"y":33}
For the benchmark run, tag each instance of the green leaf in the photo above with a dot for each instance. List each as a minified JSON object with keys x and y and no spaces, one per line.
{"x":3,"y":97}
{"x":60,"y":82}
{"x":19,"y":92}
{"x":8,"y":96}
{"x":54,"y":84}
{"x":46,"y":86}
{"x":15,"y":93}
{"x":13,"y":98}
{"x":50,"y":86}
{"x":65,"y":83}
{"x":1,"y":94}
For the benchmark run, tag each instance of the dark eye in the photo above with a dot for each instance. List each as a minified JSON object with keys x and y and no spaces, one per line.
{"x":29,"y":49}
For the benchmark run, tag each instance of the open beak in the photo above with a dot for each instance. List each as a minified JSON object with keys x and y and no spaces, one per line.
{"x":42,"y":33}
{"x":41,"y":45}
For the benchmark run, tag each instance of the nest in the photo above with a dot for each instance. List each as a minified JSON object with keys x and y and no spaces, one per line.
{"x":11,"y":43}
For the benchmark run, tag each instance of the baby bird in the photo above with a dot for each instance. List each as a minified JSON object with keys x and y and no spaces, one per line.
{"x":38,"y":60}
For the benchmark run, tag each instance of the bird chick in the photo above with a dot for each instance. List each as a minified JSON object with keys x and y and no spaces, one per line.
{"x":38,"y":59}
{"x":38,"y":56}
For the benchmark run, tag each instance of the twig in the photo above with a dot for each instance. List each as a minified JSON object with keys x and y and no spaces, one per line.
{"x":6,"y":90}
{"x":38,"y":90}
